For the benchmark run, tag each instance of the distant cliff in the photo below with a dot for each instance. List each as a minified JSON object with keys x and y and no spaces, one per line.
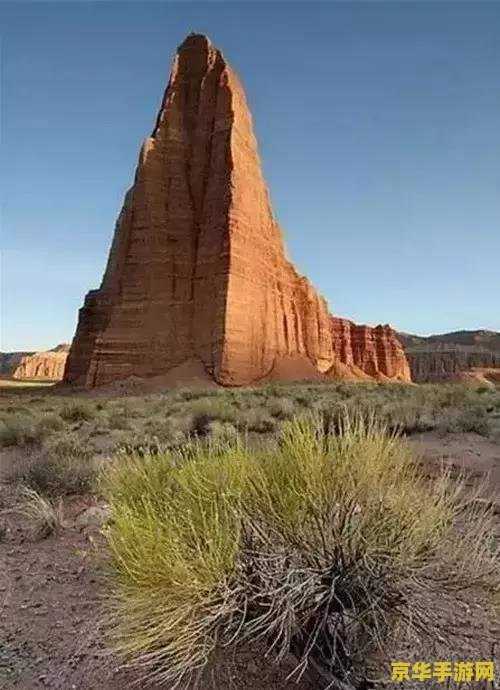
{"x":10,"y":360}
{"x":450,"y":355}
{"x":44,"y":366}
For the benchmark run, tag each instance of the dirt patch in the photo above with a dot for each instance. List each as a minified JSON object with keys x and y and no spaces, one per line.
{"x":475,"y":456}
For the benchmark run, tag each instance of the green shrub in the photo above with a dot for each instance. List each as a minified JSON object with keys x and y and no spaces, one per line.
{"x":221,"y":432}
{"x":65,"y":466}
{"x":118,"y":419}
{"x":78,"y":411}
{"x":469,"y":419}
{"x":60,"y":476}
{"x":206,"y":410}
{"x":319,"y":545}
{"x":67,"y":444}
{"x":17,"y":410}
{"x":173,"y":430}
{"x":49,"y":423}
{"x":255,"y":419}
{"x":282,"y":408}
{"x":188,"y":394}
{"x":16,"y":430}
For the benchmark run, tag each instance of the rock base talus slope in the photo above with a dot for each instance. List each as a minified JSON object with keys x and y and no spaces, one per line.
{"x":197,"y":268}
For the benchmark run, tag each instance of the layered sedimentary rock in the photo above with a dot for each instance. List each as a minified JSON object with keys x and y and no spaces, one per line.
{"x":47,"y":365}
{"x":369,"y":352}
{"x":10,"y":360}
{"x":197,"y":268}
{"x":442,"y":365}
{"x":450,"y":355}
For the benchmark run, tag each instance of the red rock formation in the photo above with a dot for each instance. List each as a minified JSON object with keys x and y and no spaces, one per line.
{"x":197,"y":268}
{"x":369,"y":352}
{"x":42,"y":365}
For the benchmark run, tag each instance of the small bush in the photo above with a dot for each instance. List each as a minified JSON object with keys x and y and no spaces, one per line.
{"x":48,"y":423}
{"x":222,"y":432}
{"x":255,"y":419}
{"x":62,"y":476}
{"x":470,"y":419}
{"x":78,"y":411}
{"x":118,"y":419}
{"x":17,"y":410}
{"x":170,"y":431}
{"x":320,"y":545}
{"x":282,"y":408}
{"x":207,"y":410}
{"x":45,"y":516}
{"x":64,"y":467}
{"x":68,"y":444}
{"x":16,"y":430}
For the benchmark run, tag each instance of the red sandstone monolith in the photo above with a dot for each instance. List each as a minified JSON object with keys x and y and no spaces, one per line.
{"x":197,"y":269}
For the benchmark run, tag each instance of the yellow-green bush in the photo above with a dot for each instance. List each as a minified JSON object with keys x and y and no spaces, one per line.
{"x":317,"y":545}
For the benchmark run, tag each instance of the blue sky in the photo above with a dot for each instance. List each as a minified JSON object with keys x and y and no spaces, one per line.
{"x":379,"y":131}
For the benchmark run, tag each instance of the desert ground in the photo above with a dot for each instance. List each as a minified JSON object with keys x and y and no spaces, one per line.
{"x":54,"y":557}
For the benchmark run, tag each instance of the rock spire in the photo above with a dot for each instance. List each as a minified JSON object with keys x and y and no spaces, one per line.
{"x":197,"y":269}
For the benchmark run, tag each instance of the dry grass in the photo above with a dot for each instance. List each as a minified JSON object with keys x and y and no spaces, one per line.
{"x":45,"y":516}
{"x":65,"y":466}
{"x":78,"y":411}
{"x":320,"y":544}
{"x":171,"y":418}
{"x":19,"y":429}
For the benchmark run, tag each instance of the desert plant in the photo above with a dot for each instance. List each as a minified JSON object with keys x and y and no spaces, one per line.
{"x":222,"y":431}
{"x":319,"y":544}
{"x":255,"y":419}
{"x":64,"y":467}
{"x":68,"y":444}
{"x":19,"y":430}
{"x":78,"y":411}
{"x":58,"y":476}
{"x":205,"y":410}
{"x":49,"y":423}
{"x":282,"y":408}
{"x":45,"y":516}
{"x":473,"y":418}
{"x":118,"y":419}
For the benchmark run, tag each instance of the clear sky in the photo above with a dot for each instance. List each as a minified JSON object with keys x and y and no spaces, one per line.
{"x":379,"y":130}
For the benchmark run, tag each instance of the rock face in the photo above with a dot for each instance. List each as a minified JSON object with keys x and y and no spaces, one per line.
{"x":442,"y":365}
{"x":197,"y":268}
{"x":10,"y":360}
{"x":448,"y":356}
{"x":43,"y":366}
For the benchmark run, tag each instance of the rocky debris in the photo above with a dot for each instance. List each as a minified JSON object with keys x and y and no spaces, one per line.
{"x":47,"y":365}
{"x":197,"y":269}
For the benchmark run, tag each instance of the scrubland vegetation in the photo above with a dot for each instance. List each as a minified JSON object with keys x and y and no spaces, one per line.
{"x":102,"y":425}
{"x":320,"y":545}
{"x":292,"y":515}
